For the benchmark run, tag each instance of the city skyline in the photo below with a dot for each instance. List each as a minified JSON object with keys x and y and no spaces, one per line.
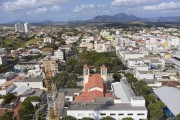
{"x":67,"y":10}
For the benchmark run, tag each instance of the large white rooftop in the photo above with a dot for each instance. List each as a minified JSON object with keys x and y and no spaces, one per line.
{"x":170,"y":96}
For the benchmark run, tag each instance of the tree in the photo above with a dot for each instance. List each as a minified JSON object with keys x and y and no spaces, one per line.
{"x":7,"y":116}
{"x":177,"y":73}
{"x":42,"y":116}
{"x":117,"y":77}
{"x":127,"y":118}
{"x":9,"y":97}
{"x":132,"y":79}
{"x":178,"y":117}
{"x":150,"y":98}
{"x":73,"y":77}
{"x":155,"y":111}
{"x":69,"y":68}
{"x":141,"y":88}
{"x":71,"y":84}
{"x":78,"y":69}
{"x":68,"y":118}
{"x":26,"y":112}
{"x":107,"y":118}
{"x":87,"y":118}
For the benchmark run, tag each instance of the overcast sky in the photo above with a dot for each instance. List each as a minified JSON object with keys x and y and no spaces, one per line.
{"x":66,"y":10}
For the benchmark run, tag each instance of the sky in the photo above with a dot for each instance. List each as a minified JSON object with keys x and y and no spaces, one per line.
{"x":68,"y":10}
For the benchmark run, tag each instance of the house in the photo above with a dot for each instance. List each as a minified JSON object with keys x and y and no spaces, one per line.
{"x":7,"y":76}
{"x":32,"y":82}
{"x":21,"y":66}
{"x":47,"y":51}
{"x":32,"y":92}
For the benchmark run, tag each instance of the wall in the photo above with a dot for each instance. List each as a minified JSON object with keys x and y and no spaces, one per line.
{"x":30,"y":84}
{"x":115,"y":114}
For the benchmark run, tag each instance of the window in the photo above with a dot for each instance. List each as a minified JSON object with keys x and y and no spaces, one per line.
{"x":102,"y":113}
{"x":80,"y":114}
{"x":140,"y":114}
{"x":112,"y":114}
{"x":91,"y":114}
{"x":130,"y":113}
{"x":120,"y":114}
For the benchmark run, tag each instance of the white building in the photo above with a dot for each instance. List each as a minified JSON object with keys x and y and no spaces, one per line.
{"x":125,"y":105}
{"x":3,"y":59}
{"x":59,"y":54}
{"x":26,"y":27}
{"x":33,"y":82}
{"x":87,"y":39}
{"x":142,"y":74}
{"x":47,"y":40}
{"x":19,"y":27}
{"x":131,"y":63}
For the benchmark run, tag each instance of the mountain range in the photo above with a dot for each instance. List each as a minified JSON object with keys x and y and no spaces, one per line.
{"x":118,"y":18}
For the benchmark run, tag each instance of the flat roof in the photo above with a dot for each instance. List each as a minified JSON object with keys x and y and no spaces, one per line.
{"x":32,"y":92}
{"x":170,"y":96}
{"x":69,"y":92}
{"x":31,"y":79}
{"x":112,"y":107}
{"x":123,"y":91}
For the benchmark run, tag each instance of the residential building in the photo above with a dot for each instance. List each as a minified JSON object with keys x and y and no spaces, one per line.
{"x":32,"y":82}
{"x":47,"y":51}
{"x":48,"y":40}
{"x":50,"y":64}
{"x":3,"y":59}
{"x":59,"y":54}
{"x":7,"y":76}
{"x":26,"y":27}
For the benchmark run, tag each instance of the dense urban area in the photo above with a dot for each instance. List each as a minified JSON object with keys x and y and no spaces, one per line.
{"x":89,"y":72}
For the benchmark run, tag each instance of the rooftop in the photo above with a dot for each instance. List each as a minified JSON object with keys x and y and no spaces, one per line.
{"x":106,"y":106}
{"x":69,"y":92}
{"x":32,"y":92}
{"x":123,"y":91}
{"x":31,"y":79}
{"x":166,"y":94}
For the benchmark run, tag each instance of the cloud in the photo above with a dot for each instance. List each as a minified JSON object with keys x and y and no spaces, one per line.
{"x":83,"y":7}
{"x":38,"y":11}
{"x":25,"y":4}
{"x":130,"y":2}
{"x":163,"y":6}
{"x":86,"y":7}
{"x":55,"y":8}
{"x":55,"y":1}
{"x":19,"y":4}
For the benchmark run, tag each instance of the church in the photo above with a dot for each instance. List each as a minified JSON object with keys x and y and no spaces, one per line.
{"x":94,"y":85}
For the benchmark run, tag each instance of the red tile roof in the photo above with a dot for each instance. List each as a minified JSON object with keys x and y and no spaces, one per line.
{"x":94,"y":80}
{"x":85,"y":67}
{"x":103,"y":67}
{"x":89,"y":96}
